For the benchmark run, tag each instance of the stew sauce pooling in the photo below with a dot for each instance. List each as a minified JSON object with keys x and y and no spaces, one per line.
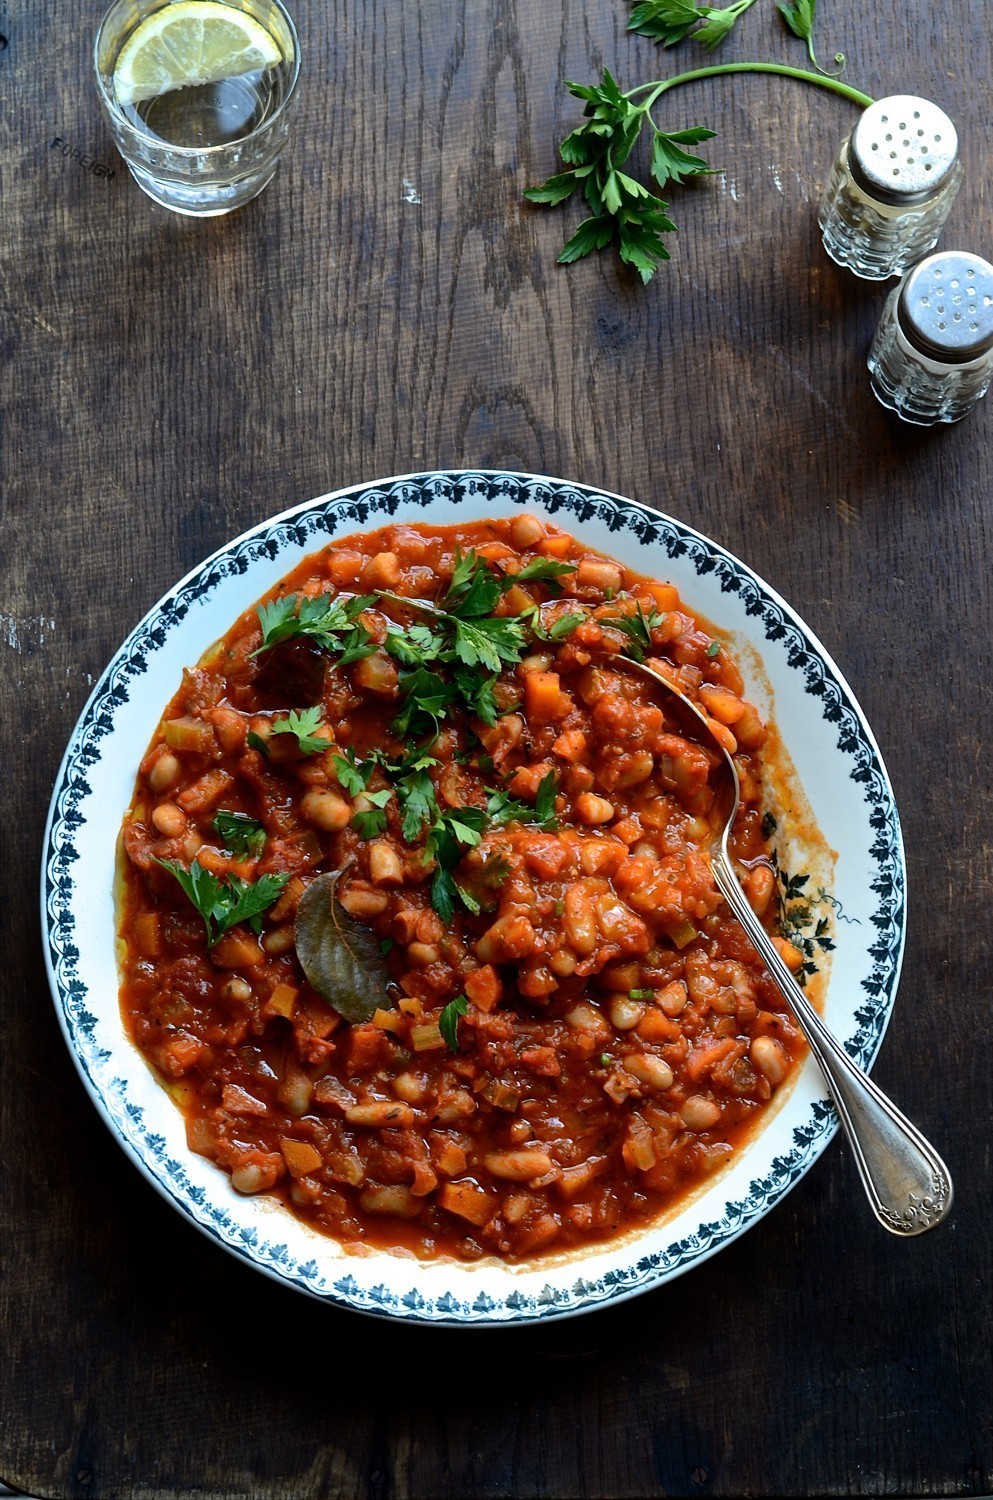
{"x":576,"y":1031}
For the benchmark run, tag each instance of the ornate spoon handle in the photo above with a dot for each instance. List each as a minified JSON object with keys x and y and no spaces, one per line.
{"x":908,"y":1184}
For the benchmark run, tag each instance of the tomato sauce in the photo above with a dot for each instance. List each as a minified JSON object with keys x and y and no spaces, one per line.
{"x":575,"y":1032}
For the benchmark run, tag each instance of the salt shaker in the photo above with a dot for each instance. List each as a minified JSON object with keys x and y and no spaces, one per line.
{"x":932,"y":357}
{"x":892,"y":185}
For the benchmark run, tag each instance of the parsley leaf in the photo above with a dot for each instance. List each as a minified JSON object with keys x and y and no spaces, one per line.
{"x":543,"y":569}
{"x":800,"y":19}
{"x":666,"y":21}
{"x":448,"y":1021}
{"x":224,"y":903}
{"x":638,"y":629}
{"x":302,"y":725}
{"x":240,"y":834}
{"x":489,"y":642}
{"x":415,"y":790}
{"x":503,"y":808}
{"x":329,"y":621}
{"x":352,"y":773}
{"x":371,"y":821}
{"x":452,"y":832}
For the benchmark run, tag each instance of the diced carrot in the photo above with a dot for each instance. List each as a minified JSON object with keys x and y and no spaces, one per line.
{"x":148,"y":934}
{"x":300,"y":1156}
{"x":179,"y":1054}
{"x":656,"y":1027}
{"x":666,"y":595}
{"x":367,"y":1047}
{"x":543,"y":696}
{"x":287,"y":903}
{"x":702,"y":1059}
{"x":570,"y":745}
{"x":238,"y":949}
{"x":484,"y":987}
{"x":206,"y":792}
{"x":467,"y":1200}
{"x":555,"y":546}
{"x":282,"y":1001}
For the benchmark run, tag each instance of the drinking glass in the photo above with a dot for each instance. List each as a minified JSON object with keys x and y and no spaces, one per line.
{"x":206,"y":148}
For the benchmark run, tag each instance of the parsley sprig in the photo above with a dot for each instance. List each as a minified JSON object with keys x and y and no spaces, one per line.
{"x":637,"y":627}
{"x":454,"y":661}
{"x":224,"y":903}
{"x":623,"y":209}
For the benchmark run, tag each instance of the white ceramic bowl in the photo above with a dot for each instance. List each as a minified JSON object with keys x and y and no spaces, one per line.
{"x":824,"y":731}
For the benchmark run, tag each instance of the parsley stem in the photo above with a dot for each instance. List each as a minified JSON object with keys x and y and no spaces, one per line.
{"x":822,"y":81}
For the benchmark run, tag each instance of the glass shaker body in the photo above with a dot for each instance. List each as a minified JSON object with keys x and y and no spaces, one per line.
{"x":891,"y":188}
{"x":931,"y":359}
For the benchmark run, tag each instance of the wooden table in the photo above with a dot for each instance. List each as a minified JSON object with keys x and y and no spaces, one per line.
{"x":390,"y":304}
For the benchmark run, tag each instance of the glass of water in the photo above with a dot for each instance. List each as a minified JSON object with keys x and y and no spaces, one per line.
{"x":198,"y":95}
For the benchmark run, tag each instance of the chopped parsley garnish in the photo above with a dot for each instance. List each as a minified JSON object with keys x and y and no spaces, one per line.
{"x":641,"y":994}
{"x":302,"y":725}
{"x":224,"y":903}
{"x":714,"y":649}
{"x":326,"y":620}
{"x":371,"y":821}
{"x":638,"y":629}
{"x":503,"y":808}
{"x":451,"y":833}
{"x":448,"y":1021}
{"x":241,"y":835}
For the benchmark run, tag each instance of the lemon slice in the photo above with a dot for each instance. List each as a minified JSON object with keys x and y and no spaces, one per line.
{"x":190,"y":42}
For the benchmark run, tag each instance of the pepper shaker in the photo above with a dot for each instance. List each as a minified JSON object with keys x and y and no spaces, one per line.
{"x":932,"y":357}
{"x":892,"y":185}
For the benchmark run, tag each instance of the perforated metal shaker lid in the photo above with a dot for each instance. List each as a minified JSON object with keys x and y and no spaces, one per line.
{"x":902,"y":149}
{"x":946,"y":307}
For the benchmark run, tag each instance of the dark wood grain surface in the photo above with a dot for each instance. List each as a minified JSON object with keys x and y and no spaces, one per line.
{"x":390,"y":304}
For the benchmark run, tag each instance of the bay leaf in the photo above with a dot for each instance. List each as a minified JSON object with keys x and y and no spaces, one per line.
{"x":340,"y":957}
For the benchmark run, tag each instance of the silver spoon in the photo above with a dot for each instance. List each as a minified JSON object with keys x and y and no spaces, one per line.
{"x":907,"y":1183}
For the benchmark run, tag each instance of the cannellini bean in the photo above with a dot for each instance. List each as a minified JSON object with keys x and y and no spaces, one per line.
{"x":169,"y":820}
{"x":165,"y":772}
{"x":380,"y":1113}
{"x":423,"y":954}
{"x":384,"y":864}
{"x":592,"y":810}
{"x":580,"y":920}
{"x":624,"y":1012}
{"x":519,"y":1166}
{"x":326,"y":810}
{"x":673,"y":999}
{"x":360,"y":900}
{"x":236,"y":989}
{"x":760,"y":883}
{"x":409,"y":1087}
{"x":280,"y":940}
{"x":769,"y":1057}
{"x":650,"y":1070}
{"x":257,"y":1176}
{"x":592,"y":573}
{"x":699,"y":1112}
{"x":526,"y":531}
{"x":583,"y":1017}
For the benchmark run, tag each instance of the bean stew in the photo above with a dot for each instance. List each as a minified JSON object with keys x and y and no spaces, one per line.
{"x":554,"y":1028}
